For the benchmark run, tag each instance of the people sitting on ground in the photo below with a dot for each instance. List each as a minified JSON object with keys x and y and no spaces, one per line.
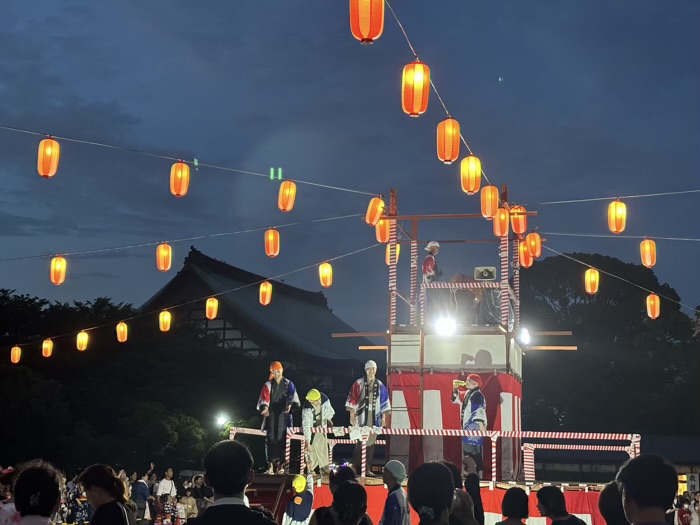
{"x":610,"y":505}
{"x":336,"y":477}
{"x":396,"y":511}
{"x":514,"y":507}
{"x":107,"y":493}
{"x":37,"y":493}
{"x":431,"y":493}
{"x":473,"y":488}
{"x":463,"y":508}
{"x":552,"y":505}
{"x":648,"y":485}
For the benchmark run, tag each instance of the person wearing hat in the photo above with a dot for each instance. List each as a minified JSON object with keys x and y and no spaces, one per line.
{"x":396,"y":511}
{"x":431,"y":272}
{"x":317,"y":412}
{"x":277,"y":397}
{"x":368,"y":404}
{"x":298,"y":511}
{"x":473,"y":416}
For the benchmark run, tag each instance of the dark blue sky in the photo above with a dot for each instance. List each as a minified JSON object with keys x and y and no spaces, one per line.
{"x":598,"y":98}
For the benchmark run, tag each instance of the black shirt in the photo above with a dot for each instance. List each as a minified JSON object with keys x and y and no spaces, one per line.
{"x":113,"y":513}
{"x":202,"y":492}
{"x":230,"y":515}
{"x":571,"y":520}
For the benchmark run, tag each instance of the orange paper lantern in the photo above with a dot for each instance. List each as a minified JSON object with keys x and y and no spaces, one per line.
{"x":15,"y":354}
{"x":366,"y":19}
{"x":325,"y":274}
{"x":122,"y":332}
{"x":448,"y":140}
{"x":500,"y":223}
{"x":518,"y":219}
{"x":489,"y":201}
{"x":617,"y":216}
{"x":415,"y":88}
{"x":47,"y":161}
{"x":287,"y":196}
{"x":164,"y":257}
{"x":212,"y":308}
{"x":470,"y":172}
{"x":265,"y":293}
{"x":58,"y":270}
{"x":647,"y":249}
{"x":164,"y":320}
{"x":524,"y":257}
{"x":179,"y":179}
{"x":592,"y":281}
{"x":387,"y":257}
{"x":47,"y":348}
{"x":374,"y":211}
{"x":653,"y":305}
{"x":533,"y":241}
{"x":81,"y":341}
{"x":272,"y":243}
{"x":383,"y":230}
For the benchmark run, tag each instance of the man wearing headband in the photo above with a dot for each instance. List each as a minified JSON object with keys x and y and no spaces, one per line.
{"x":368,"y":404}
{"x":317,"y":412}
{"x":473,"y":416}
{"x":277,"y":397}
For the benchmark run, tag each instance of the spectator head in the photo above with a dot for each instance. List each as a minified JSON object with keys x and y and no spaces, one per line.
{"x":350,"y":503}
{"x":394,"y":473}
{"x":340,"y":475}
{"x":228,"y":468}
{"x":515,"y":504}
{"x":7,"y":479}
{"x":551,"y":502}
{"x":648,"y":484}
{"x":169,"y":474}
{"x":610,"y":505}
{"x":188,"y":492}
{"x":198,"y":480}
{"x":154,"y":477}
{"x":456,"y":474}
{"x":102,"y":485}
{"x":431,"y":492}
{"x":37,"y":489}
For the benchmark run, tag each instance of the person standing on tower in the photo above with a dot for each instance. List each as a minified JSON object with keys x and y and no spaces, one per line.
{"x":431,"y":272}
{"x":277,"y":397}
{"x":473,"y":416}
{"x":317,"y":412}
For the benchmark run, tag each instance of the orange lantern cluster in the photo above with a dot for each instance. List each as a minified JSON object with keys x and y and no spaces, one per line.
{"x":518,"y":219}
{"x":366,"y":19}
{"x":415,"y":88}
{"x":122,"y":332}
{"x":397,"y":249}
{"x":617,"y":216}
{"x":58,"y":270}
{"x":524,"y":257}
{"x":375,"y":209}
{"x":448,"y":140}
{"x":653,"y":306}
{"x":265,"y":294}
{"x":592,"y":281}
{"x":287,"y":196}
{"x":470,"y":174}
{"x":212,"y":308}
{"x":164,"y":320}
{"x":272,"y":242}
{"x":325,"y":274}
{"x":534,"y":244}
{"x":47,"y":348}
{"x":15,"y":354}
{"x":647,"y":249}
{"x":47,"y":160}
{"x":81,"y":341}
{"x":164,"y":257}
{"x":383,"y":230}
{"x":489,"y":201}
{"x":500,"y":222}
{"x":179,"y":179}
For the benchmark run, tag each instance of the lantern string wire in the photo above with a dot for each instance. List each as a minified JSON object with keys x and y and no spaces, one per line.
{"x":618,"y":277}
{"x":653,"y":237}
{"x":204,"y":298}
{"x":644,"y":195}
{"x":177,"y":159}
{"x":174,"y":241}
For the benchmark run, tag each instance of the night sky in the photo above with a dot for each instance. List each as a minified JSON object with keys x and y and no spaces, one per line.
{"x":595,"y":98}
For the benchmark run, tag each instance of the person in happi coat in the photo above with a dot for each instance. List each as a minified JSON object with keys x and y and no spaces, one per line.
{"x":473,"y":416}
{"x":317,"y":412}
{"x":368,"y":404}
{"x":277,"y":397}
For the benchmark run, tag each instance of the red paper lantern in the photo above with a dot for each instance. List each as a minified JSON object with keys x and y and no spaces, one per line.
{"x":415,"y":88}
{"x":15,"y":354}
{"x":592,"y":281}
{"x":617,"y":216}
{"x":366,"y":19}
{"x":500,"y":222}
{"x":383,"y":230}
{"x":122,"y":332}
{"x":272,"y":242}
{"x":81,"y":341}
{"x":489,"y":201}
{"x":164,"y":320}
{"x":534,"y":244}
{"x":653,"y":306}
{"x":212,"y":308}
{"x":374,"y":211}
{"x":325,"y":274}
{"x":47,"y":348}
{"x":47,"y":161}
{"x":179,"y":179}
{"x":164,"y":257}
{"x":647,"y":249}
{"x":265,"y":293}
{"x":518,"y":219}
{"x":448,"y":140}
{"x":58,"y":270}
{"x":470,"y":172}
{"x":287,"y":196}
{"x":387,"y":256}
{"x":524,"y":257}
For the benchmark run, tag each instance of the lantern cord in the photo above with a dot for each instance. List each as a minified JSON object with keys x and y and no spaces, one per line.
{"x":405,"y":35}
{"x":621,"y":197}
{"x":621,"y":236}
{"x":177,"y":159}
{"x":225,"y":292}
{"x":185,"y":239}
{"x":618,"y":277}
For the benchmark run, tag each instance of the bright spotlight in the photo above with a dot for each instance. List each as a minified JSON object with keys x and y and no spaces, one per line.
{"x":445,"y":326}
{"x":525,"y":336}
{"x":221,"y":420}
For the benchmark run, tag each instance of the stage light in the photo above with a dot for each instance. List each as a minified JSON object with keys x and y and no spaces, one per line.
{"x":524,"y":336}
{"x":221,"y":420}
{"x":445,"y":326}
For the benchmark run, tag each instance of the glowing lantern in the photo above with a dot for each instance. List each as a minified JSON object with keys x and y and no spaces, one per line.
{"x":212,"y":308}
{"x":489,"y":201}
{"x":47,"y":348}
{"x":81,"y":341}
{"x":366,"y":19}
{"x":653,"y":305}
{"x":397,"y":247}
{"x":325,"y":274}
{"x":448,"y":140}
{"x":617,"y":216}
{"x":374,"y":211}
{"x":518,"y":219}
{"x":164,"y":320}
{"x":179,"y":179}
{"x":265,"y":293}
{"x":47,"y":162}
{"x":524,"y":257}
{"x":164,"y":257}
{"x":122,"y":332}
{"x":647,"y":249}
{"x":470,"y":171}
{"x":500,"y":222}
{"x":415,"y":88}
{"x":383,"y":230}
{"x":58,"y":270}
{"x":15,"y":354}
{"x":272,"y":242}
{"x":592,"y":281}
{"x":287,"y":196}
{"x":533,"y":241}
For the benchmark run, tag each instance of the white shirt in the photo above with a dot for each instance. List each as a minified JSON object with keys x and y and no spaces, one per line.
{"x":166,"y":486}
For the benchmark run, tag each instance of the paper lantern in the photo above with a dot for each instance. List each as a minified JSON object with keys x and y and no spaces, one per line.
{"x":265,"y":293}
{"x":617,"y":216}
{"x":179,"y":179}
{"x":164,"y":320}
{"x":533,"y":241}
{"x":122,"y":332}
{"x":387,"y":257}
{"x":592,"y":281}
{"x":647,"y":249}
{"x":500,"y":222}
{"x":81,"y":341}
{"x":164,"y":257}
{"x":272,"y":242}
{"x":325,"y":274}
{"x":448,"y":140}
{"x":287,"y":196}
{"x":383,"y":230}
{"x":489,"y":201}
{"x":415,"y":88}
{"x":653,"y":305}
{"x":47,"y":348}
{"x":15,"y":354}
{"x":518,"y":219}
{"x":374,"y":211}
{"x":212,"y":308}
{"x":58,"y":270}
{"x":470,"y":172}
{"x":524,"y":257}
{"x":366,"y":19}
{"x":47,"y":161}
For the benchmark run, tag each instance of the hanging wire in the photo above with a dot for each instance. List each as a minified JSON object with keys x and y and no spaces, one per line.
{"x":177,"y":159}
{"x":654,"y":237}
{"x":644,"y":195}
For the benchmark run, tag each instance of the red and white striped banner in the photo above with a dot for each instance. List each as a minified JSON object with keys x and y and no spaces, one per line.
{"x":503,"y":252}
{"x":414,"y":281}
{"x":461,"y":286}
